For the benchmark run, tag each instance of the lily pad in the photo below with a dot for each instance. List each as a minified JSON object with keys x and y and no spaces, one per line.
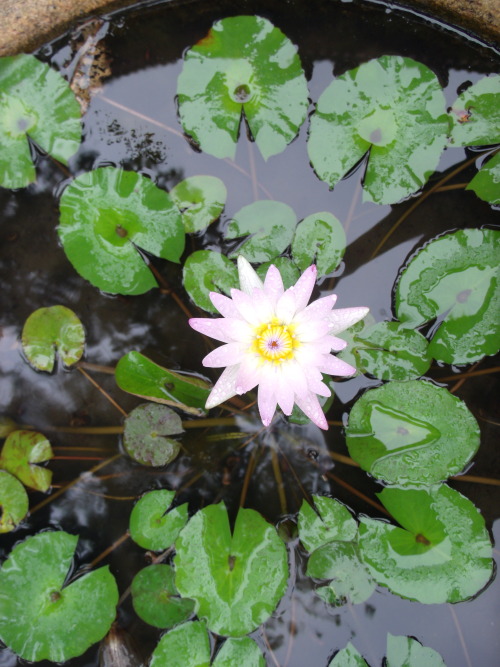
{"x":239,"y":651}
{"x":187,"y":645}
{"x":107,"y":216}
{"x":247,"y":66}
{"x":35,"y":102}
{"x":206,"y":271}
{"x":14,"y":502}
{"x":392,"y":351}
{"x":145,"y":434}
{"x":486,"y":183}
{"x":351,"y":335}
{"x":49,"y":329}
{"x":391,"y":107}
{"x":156,"y":599}
{"x":348,"y":657}
{"x":455,"y":279}
{"x":331,"y":521}
{"x":408,"y":652}
{"x":350,"y":579}
{"x":152,"y":526}
{"x":39,"y":614}
{"x":442,"y":553}
{"x":236,"y":580}
{"x":288,"y":270}
{"x":319,"y":238}
{"x":475,"y":114}
{"x":201,"y":200}
{"x":269,"y":226}
{"x":140,"y":376}
{"x":411,"y":433}
{"x":21,"y":451}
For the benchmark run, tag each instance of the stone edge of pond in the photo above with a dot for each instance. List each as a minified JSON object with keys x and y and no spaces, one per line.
{"x":27,"y":24}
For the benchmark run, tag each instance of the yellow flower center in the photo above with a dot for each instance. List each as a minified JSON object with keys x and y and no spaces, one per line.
{"x":275,"y":342}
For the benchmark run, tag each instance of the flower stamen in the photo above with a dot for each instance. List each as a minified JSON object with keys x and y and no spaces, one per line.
{"x":274,"y":342}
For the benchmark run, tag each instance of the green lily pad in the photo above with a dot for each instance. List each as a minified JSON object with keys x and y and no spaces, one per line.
{"x":288,"y":270}
{"x":39,"y":614}
{"x":442,"y":553}
{"x":391,"y":351}
{"x":486,"y":183}
{"x":455,"y":279}
{"x":239,"y":651}
{"x":236,"y":580}
{"x":156,"y":599}
{"x":152,"y":526}
{"x":201,"y":200}
{"x":244,"y":65}
{"x":206,"y":271}
{"x":392,"y":107}
{"x":319,"y":238}
{"x":140,"y":376}
{"x":350,"y":579}
{"x":35,"y":102}
{"x":14,"y":502}
{"x":269,"y":226}
{"x":331,"y":521}
{"x":348,"y":657}
{"x":21,"y":451}
{"x":475,"y":114}
{"x":187,"y":645}
{"x":408,"y":652}
{"x":49,"y":329}
{"x":107,"y":216}
{"x":145,"y":434}
{"x":350,"y":335}
{"x":411,"y":433}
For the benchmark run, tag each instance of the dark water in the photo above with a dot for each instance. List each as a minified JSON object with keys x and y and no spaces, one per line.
{"x":132,"y":122}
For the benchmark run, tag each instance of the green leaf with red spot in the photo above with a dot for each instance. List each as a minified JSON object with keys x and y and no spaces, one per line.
{"x":20,"y":454}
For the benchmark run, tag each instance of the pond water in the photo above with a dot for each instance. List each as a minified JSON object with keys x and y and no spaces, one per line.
{"x":132,"y":122}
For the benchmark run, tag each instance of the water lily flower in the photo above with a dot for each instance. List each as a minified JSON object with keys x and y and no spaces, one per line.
{"x":273,"y":339}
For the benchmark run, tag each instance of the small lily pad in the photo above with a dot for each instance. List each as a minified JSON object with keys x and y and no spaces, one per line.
{"x":236,"y":580}
{"x":350,"y":335}
{"x":201,"y":200}
{"x":442,"y":552}
{"x":39,"y":614}
{"x":486,"y":183}
{"x":49,"y":329}
{"x":140,"y":376}
{"x":331,"y":521}
{"x":145,"y":434}
{"x":21,"y":451}
{"x":156,"y":599}
{"x":455,"y":279}
{"x":319,"y":238}
{"x":475,"y":114}
{"x":107,"y":216}
{"x":392,"y":351}
{"x":391,"y":107}
{"x":152,"y":526}
{"x":239,"y":651}
{"x":408,"y":652}
{"x":348,"y":657}
{"x":35,"y":102}
{"x":247,"y":66}
{"x":206,"y":271}
{"x":14,"y":502}
{"x":411,"y":433}
{"x":269,"y":226}
{"x":288,"y":270}
{"x":187,"y":645}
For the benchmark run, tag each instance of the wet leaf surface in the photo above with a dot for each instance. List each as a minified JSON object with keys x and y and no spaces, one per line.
{"x":442,"y":552}
{"x":206,"y":271}
{"x":288,"y":270}
{"x":152,"y":525}
{"x":236,"y":580}
{"x":39,"y":614}
{"x":408,"y":652}
{"x":201,"y":200}
{"x":21,"y":451}
{"x":411,"y":433}
{"x":455,"y":279}
{"x":156,"y":599}
{"x":14,"y":502}
{"x":348,"y":657}
{"x":331,"y":521}
{"x":145,"y":434}
{"x":35,"y":102}
{"x":319,"y":239}
{"x":475,"y":114}
{"x":52,"y":329}
{"x":187,"y":645}
{"x":240,"y":651}
{"x":244,"y":65}
{"x":391,"y":107}
{"x":486,"y":183}
{"x":107,"y":217}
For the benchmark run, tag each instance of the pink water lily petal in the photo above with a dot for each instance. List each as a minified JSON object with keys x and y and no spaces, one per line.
{"x":311,"y":407}
{"x":285,"y":395}
{"x":304,"y":286}
{"x":334,"y":366}
{"x":318,"y":309}
{"x":221,"y":328}
{"x":224,"y":388}
{"x":249,"y":279}
{"x":224,"y":305}
{"x":225,"y":355}
{"x":293,"y":374}
{"x":248,"y":375}
{"x":246,"y":307}
{"x":266,"y":400}
{"x":343,"y":318}
{"x":263,"y":305}
{"x":285,"y":307}
{"x":273,"y":284}
{"x":315,"y":382}
{"x":311,"y":331}
{"x":337,"y":344}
